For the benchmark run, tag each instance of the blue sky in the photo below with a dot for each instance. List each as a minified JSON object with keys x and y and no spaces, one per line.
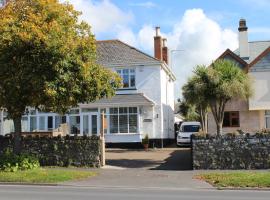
{"x":202,"y":28}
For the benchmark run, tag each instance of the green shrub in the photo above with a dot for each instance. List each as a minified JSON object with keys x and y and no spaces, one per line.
{"x":10,"y":162}
{"x":145,"y":140}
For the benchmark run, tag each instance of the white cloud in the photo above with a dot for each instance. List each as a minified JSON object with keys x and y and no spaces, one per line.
{"x":103,"y":16}
{"x":147,"y":4}
{"x":201,"y":39}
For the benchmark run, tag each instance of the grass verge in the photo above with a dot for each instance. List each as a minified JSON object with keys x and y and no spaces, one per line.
{"x":245,"y":179}
{"x":44,"y":175}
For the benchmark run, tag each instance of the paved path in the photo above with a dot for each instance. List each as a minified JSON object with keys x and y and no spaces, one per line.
{"x":102,"y":193}
{"x":166,"y":168}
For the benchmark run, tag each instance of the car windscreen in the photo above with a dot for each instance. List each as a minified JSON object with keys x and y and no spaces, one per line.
{"x":190,"y":128}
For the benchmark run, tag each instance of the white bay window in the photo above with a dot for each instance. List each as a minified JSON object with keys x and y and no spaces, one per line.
{"x":123,"y":120}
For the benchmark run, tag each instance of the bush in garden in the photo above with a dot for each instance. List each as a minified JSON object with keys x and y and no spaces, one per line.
{"x":10,"y":162}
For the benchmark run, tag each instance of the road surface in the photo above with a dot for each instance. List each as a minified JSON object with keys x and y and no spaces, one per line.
{"x":115,"y":193}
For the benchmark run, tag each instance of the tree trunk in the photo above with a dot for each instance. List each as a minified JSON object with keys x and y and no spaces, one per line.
{"x":219,"y":129}
{"x":17,"y":135}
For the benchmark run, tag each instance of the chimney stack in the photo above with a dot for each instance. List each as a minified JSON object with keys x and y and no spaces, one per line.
{"x":158,"y":44}
{"x":243,"y":39}
{"x":164,"y":50}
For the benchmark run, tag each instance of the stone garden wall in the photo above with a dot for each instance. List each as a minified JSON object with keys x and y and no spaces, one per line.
{"x":60,"y":151}
{"x":231,"y":152}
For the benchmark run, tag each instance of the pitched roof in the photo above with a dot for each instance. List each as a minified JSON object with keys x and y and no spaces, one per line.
{"x":120,"y":100}
{"x":118,"y":53}
{"x":255,"y":49}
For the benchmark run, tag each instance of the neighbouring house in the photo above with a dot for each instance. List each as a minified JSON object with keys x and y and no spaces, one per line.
{"x":254,"y":59}
{"x":145,"y":104}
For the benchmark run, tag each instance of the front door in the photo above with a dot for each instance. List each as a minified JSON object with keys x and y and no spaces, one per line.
{"x":90,"y":123}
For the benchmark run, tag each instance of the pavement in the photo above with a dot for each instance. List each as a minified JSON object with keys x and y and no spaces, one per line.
{"x":110,"y":193}
{"x":159,"y":168}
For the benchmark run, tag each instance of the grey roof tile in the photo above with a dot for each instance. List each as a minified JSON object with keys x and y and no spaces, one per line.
{"x":125,"y":99}
{"x":255,"y":49}
{"x":118,"y":53}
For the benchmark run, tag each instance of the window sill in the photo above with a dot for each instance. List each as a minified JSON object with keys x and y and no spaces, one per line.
{"x":119,"y":134}
{"x":121,"y":89}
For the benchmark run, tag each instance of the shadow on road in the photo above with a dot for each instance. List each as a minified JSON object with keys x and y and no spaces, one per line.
{"x":176,"y":160}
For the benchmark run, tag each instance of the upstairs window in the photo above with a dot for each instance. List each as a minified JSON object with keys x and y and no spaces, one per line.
{"x":231,"y":119}
{"x":128,"y":77}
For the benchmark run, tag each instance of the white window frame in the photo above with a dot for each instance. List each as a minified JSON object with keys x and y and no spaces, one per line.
{"x":118,"y":114}
{"x":266,"y":115}
{"x":121,"y":73}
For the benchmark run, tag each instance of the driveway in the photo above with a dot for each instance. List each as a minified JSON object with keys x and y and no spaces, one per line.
{"x":154,"y":159}
{"x":161,"y":168}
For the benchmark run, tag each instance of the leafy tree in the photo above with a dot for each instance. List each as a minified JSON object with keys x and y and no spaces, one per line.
{"x":193,"y":92}
{"x":48,"y":60}
{"x":188,"y":111}
{"x":221,"y":82}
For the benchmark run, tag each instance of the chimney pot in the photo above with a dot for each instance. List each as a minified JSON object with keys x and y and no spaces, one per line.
{"x":157,"y":31}
{"x":242,"y":25}
{"x":164,"y":42}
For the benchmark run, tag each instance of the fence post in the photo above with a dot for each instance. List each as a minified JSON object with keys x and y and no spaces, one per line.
{"x":102,"y":139}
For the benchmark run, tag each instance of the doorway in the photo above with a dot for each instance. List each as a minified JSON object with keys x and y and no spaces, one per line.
{"x":90,"y":123}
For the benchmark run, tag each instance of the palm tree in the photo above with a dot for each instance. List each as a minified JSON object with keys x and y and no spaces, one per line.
{"x":223,"y":82}
{"x":193,"y":93}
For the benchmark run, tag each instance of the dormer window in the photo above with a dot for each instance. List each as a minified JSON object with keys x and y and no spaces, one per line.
{"x":128,"y":77}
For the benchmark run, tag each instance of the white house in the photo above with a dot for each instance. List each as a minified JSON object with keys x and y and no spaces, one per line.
{"x":145,"y":104}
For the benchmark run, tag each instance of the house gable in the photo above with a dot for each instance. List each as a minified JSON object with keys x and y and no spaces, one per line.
{"x":229,"y":55}
{"x":262,"y":62}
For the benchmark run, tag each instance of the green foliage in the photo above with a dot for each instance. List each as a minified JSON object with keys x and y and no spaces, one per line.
{"x":216,"y":85}
{"x":48,"y":59}
{"x":45,"y":175}
{"x":237,"y":179}
{"x":145,"y":140}
{"x":188,"y":111}
{"x":10,"y":162}
{"x":263,"y":133}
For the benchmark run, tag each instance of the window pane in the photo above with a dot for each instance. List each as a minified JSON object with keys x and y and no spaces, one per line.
{"x":125,"y":71}
{"x":133,"y":110}
{"x":235,"y":121}
{"x":114,"y":123}
{"x":125,"y":81}
{"x":89,"y":110}
{"x":85,"y":124}
{"x":122,"y":110}
{"x":59,"y":120}
{"x":226,"y":120}
{"x":113,"y":110}
{"x":24,"y":124}
{"x":42,"y":123}
{"x":33,"y":112}
{"x":33,"y":123}
{"x":94,"y":124}
{"x":74,"y":124}
{"x":132,"y":81}
{"x":50,"y":122}
{"x":123,"y":123}
{"x":132,"y":123}
{"x":267,"y":119}
{"x":132,"y":71}
{"x":74,"y":111}
{"x":267,"y":112}
{"x":118,"y":71}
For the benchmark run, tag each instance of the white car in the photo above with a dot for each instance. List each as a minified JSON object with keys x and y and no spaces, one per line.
{"x":185,"y":132}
